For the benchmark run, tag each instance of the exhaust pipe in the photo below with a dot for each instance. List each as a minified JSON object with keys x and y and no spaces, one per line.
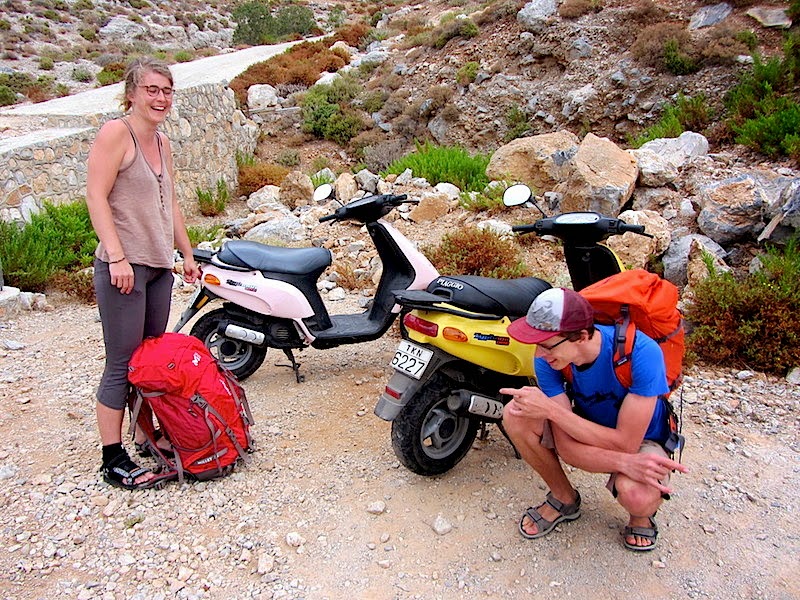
{"x":245,"y":335}
{"x":465,"y":402}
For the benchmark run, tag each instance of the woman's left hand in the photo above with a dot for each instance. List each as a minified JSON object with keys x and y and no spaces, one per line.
{"x":191,"y":272}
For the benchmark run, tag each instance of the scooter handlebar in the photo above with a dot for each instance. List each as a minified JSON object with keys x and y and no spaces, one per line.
{"x":327,"y":218}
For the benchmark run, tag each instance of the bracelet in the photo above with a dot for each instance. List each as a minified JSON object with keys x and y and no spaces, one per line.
{"x":113,"y":262}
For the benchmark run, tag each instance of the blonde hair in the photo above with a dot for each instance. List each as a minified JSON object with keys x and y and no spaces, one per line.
{"x":135,"y":70}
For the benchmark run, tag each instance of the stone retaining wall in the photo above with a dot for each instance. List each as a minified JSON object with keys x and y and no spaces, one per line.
{"x":205,"y":128}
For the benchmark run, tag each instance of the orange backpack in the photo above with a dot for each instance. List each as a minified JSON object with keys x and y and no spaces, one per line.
{"x":639,"y":299}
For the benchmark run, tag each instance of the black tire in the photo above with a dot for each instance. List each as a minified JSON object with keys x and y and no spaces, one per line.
{"x":241,"y":358}
{"x":427,"y":437}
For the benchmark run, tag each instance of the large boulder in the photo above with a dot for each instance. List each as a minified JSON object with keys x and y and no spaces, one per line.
{"x":654,"y":170}
{"x":540,"y":161}
{"x":783,"y":212}
{"x":431,"y":207}
{"x":732,"y":209}
{"x":602,"y":178}
{"x":676,"y":258}
{"x":297,"y":189}
{"x":537,"y":14}
{"x":346,"y":187}
{"x":679,"y":150}
{"x":637,"y":250}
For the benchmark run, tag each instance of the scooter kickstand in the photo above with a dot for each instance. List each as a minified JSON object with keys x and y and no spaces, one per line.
{"x":295,"y":366}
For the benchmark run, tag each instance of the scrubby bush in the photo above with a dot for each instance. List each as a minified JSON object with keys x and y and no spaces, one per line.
{"x":213,"y":202}
{"x":450,"y":164}
{"x":7,"y":96}
{"x":60,"y":238}
{"x":111,"y":73}
{"x":327,"y":113}
{"x":467,"y":73}
{"x":81,"y":74}
{"x":199,"y":234}
{"x":572,"y":9}
{"x":46,"y":63}
{"x":253,"y":177}
{"x":472,"y":251}
{"x":751,"y":322}
{"x":183,"y":56}
{"x":517,"y":123}
{"x":665,"y":46}
{"x":762,"y":107}
{"x":255,"y":23}
{"x":460,"y":27}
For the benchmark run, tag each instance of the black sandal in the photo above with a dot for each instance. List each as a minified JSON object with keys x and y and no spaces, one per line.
{"x":143,"y":448}
{"x":122,"y":472}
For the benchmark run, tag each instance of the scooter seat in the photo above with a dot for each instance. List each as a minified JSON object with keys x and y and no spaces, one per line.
{"x":275,"y":259}
{"x":509,"y":297}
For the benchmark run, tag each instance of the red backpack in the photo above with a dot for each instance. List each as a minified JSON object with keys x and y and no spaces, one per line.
{"x":639,"y":299}
{"x":201,"y":408}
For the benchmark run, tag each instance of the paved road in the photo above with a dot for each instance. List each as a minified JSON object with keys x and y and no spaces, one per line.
{"x":213,"y":69}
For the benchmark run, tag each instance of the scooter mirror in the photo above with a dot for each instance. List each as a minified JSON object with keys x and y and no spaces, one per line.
{"x":323,"y":192}
{"x":516,"y":195}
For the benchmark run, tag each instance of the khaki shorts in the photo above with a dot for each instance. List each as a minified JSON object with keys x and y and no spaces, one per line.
{"x":648,"y":446}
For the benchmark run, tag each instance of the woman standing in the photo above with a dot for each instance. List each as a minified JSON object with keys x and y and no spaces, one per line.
{"x":130,"y":193}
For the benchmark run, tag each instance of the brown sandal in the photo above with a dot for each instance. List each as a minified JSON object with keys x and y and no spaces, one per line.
{"x":567,"y":512}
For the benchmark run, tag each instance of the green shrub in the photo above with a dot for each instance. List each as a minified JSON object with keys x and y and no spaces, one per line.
{"x":90,"y":35}
{"x":467,"y":73}
{"x":471,"y":251}
{"x":7,"y":96}
{"x":199,"y":234}
{"x":60,"y":238}
{"x":762,"y":107}
{"x":773,"y":132}
{"x":46,"y":63}
{"x":449,"y":164}
{"x":490,"y":200}
{"x":111,"y":73}
{"x":244,"y":159}
{"x":464,"y":28}
{"x":326,"y":112}
{"x":517,"y":123}
{"x":183,"y":56}
{"x":81,"y":74}
{"x":213,"y":203}
{"x":687,"y":114}
{"x":288,"y":158}
{"x":748,"y":38}
{"x":752,"y":322}
{"x":255,"y":24}
{"x":320,"y":177}
{"x":676,"y":61}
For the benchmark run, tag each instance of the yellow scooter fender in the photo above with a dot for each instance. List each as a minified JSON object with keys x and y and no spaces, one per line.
{"x":483,"y":342}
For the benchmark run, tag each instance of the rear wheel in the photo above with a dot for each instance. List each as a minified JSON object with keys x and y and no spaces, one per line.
{"x":427,"y":437}
{"x":241,"y":358}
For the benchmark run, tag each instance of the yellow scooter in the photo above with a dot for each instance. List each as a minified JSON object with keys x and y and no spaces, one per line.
{"x":455,"y":353}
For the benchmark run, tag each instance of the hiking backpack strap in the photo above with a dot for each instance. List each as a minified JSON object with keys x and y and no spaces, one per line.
{"x":624,"y":337}
{"x":202,"y":403}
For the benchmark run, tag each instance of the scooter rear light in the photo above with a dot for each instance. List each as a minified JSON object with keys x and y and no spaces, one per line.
{"x":211,"y":279}
{"x":393,"y":393}
{"x":454,"y":335}
{"x":420,"y":325}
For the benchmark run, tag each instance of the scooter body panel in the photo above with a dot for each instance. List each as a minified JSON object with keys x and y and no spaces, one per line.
{"x":251,"y":290}
{"x":424,"y":271}
{"x":487,"y":343}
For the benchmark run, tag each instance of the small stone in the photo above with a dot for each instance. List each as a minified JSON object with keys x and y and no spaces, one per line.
{"x":659,"y":564}
{"x":294,"y":539}
{"x":377,"y":508}
{"x":266,"y":562}
{"x":441,"y":525}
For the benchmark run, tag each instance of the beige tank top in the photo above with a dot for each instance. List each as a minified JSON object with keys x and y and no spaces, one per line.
{"x":141,"y":206}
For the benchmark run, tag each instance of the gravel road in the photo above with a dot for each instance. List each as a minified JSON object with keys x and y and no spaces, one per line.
{"x":326,"y":511}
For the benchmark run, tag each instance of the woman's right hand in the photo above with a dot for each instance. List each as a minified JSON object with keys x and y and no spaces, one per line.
{"x":122,"y":276}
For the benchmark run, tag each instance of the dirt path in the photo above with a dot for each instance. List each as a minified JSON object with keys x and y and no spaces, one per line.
{"x":326,"y":511}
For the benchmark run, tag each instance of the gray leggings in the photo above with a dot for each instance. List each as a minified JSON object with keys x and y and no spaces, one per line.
{"x":128,"y":319}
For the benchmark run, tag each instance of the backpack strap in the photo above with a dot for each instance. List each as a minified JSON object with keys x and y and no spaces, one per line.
{"x":624,"y":338}
{"x":202,"y":403}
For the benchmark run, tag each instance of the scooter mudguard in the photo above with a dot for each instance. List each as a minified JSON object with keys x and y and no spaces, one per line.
{"x":251,"y":290}
{"x":485,"y":343}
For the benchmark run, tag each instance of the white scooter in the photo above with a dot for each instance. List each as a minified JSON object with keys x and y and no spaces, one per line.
{"x":271,"y":297}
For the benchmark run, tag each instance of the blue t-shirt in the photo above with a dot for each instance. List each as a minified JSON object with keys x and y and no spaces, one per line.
{"x":597,"y":394}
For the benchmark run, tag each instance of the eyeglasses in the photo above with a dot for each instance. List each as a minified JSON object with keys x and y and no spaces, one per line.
{"x":554,"y":346}
{"x":152,"y":90}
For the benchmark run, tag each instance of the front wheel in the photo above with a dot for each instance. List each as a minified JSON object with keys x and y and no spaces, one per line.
{"x":427,"y":437}
{"x":241,"y":358}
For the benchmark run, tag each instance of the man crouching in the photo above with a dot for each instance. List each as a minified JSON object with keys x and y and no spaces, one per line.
{"x":594,"y":424}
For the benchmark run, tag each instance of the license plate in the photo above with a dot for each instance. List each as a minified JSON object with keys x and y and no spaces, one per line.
{"x":411,"y":359}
